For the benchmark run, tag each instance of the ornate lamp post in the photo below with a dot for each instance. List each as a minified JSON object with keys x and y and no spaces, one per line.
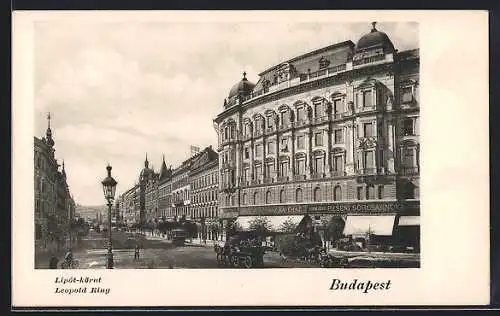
{"x":109,"y":187}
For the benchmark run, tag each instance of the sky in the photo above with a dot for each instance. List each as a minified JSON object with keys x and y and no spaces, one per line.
{"x":119,"y":90}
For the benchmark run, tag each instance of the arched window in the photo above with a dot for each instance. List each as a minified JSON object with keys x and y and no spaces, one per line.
{"x":298,"y":195}
{"x":232,"y":200}
{"x":282,"y":196}
{"x":268,"y":197}
{"x":317,"y":194}
{"x":244,"y":199}
{"x":408,"y":191}
{"x":255,"y":197}
{"x":337,"y":193}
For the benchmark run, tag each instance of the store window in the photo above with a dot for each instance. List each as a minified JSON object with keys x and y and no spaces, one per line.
{"x":298,"y":195}
{"x":360,"y":193}
{"x":317,"y":194}
{"x":268,"y":197}
{"x":370,"y":192}
{"x":337,"y":193}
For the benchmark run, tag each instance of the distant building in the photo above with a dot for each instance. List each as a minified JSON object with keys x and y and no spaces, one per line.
{"x":54,"y":204}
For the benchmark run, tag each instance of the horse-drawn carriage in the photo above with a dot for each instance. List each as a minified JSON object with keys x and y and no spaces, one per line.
{"x":243,"y":249}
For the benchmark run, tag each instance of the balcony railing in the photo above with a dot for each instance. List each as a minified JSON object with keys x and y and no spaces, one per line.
{"x":320,"y":119}
{"x":368,"y":60}
{"x":300,"y":123}
{"x":283,"y":179}
{"x":255,"y":182}
{"x":258,"y":132}
{"x":284,"y":127}
{"x":319,"y":175}
{"x":408,"y":171}
{"x":338,"y":173}
{"x":270,"y":130}
{"x":268,"y":180}
{"x":367,"y":171}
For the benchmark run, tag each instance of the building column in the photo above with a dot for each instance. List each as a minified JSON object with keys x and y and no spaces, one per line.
{"x":328,"y":167}
{"x":309,"y":152}
{"x":350,"y":149}
{"x":391,"y":148}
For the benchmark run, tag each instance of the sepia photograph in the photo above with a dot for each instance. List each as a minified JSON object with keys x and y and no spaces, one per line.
{"x":218,"y":148}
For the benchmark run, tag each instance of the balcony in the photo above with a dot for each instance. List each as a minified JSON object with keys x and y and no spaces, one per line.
{"x":409,"y":171}
{"x":283,"y":179}
{"x":317,"y":176}
{"x":367,"y":171}
{"x":300,"y":123}
{"x":299,"y":177}
{"x":268,"y":180}
{"x":284,"y":127}
{"x":270,"y":130}
{"x":338,"y":173}
{"x":256,"y":182}
{"x":321,"y":119}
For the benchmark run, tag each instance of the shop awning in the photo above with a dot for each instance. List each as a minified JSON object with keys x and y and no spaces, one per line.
{"x":275,"y":223}
{"x":376,"y":225}
{"x":409,"y":221}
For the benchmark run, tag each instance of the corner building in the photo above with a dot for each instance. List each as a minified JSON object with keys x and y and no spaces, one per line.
{"x":329,"y":134}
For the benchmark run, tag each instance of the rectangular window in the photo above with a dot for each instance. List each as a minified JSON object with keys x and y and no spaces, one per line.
{"x":360,"y":193}
{"x":301,"y":114}
{"x":318,"y":139}
{"x":369,"y":161}
{"x":406,"y":95}
{"x":270,"y":122}
{"x":269,"y":170}
{"x":338,"y":136}
{"x":337,"y":108}
{"x":301,"y":141}
{"x":408,"y":127}
{"x":367,"y":129}
{"x":301,"y":166}
{"x":270,"y":148}
{"x":319,"y":163}
{"x":338,"y":162}
{"x":258,"y":171}
{"x":370,"y":192}
{"x":284,"y":169}
{"x":408,"y":156}
{"x":285,"y":118}
{"x":258,"y":150}
{"x":380,"y":192}
{"x":284,"y":144}
{"x":367,"y":99}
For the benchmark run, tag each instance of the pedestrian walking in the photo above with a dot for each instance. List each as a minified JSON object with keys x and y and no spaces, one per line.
{"x":53,"y":262}
{"x":136,"y":252}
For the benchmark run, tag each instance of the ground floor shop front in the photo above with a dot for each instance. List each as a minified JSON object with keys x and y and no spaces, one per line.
{"x":352,"y":226}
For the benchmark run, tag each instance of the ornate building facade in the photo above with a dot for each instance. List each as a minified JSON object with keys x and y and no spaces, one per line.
{"x":332,"y":133}
{"x":188,"y":192}
{"x":54,"y":204}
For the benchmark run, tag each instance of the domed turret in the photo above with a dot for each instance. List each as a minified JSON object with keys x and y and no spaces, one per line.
{"x":244,"y":87}
{"x":146,"y":173}
{"x":375,"y":39}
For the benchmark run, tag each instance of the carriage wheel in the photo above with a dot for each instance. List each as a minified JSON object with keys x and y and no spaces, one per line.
{"x":235,"y":261}
{"x":247,"y":262}
{"x":219,"y":258}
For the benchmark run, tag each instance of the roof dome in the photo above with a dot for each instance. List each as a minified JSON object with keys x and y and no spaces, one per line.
{"x":375,"y":39}
{"x":243,"y":87}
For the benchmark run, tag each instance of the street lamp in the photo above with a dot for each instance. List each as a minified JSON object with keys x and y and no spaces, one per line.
{"x":109,"y":187}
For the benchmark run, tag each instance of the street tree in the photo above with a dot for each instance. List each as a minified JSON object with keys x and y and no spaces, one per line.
{"x":288,"y":226}
{"x":260,"y":224}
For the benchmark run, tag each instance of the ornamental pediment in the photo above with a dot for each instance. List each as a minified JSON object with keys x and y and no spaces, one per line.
{"x":367,"y":142}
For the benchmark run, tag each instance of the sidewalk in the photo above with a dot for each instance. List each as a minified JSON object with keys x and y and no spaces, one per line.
{"x":378,"y":255}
